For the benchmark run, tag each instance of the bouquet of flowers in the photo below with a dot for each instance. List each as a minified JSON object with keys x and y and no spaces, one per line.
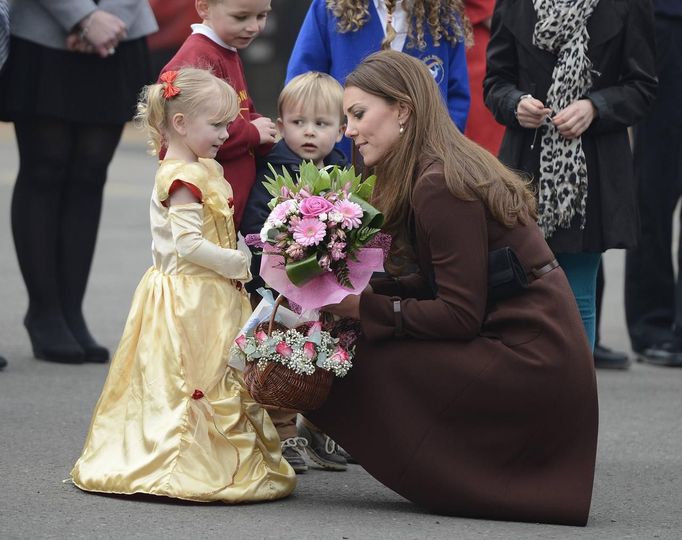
{"x":317,"y":234}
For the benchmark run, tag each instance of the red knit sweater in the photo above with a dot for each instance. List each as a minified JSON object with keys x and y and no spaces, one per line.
{"x":237,"y":155}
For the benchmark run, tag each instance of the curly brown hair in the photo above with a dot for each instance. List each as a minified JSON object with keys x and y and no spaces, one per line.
{"x":445,"y":19}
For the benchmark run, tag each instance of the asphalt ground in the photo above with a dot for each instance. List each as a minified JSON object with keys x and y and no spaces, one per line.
{"x":45,"y":411}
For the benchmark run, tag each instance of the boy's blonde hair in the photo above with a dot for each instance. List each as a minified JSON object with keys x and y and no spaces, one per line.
{"x":199,"y":91}
{"x":314,"y":91}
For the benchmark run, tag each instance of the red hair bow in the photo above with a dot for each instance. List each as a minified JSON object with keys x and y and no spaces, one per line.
{"x":169,"y":90}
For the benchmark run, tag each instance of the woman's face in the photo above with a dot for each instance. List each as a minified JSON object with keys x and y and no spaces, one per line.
{"x":373,"y":124}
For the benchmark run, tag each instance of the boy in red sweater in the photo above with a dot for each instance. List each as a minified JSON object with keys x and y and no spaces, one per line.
{"x":226,"y":27}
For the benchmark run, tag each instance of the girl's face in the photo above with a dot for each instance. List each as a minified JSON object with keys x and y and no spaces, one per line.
{"x":237,"y":22}
{"x":373,"y":124}
{"x":202,"y":134}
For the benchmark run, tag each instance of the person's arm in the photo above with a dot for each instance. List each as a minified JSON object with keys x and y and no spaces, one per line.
{"x":458,"y":241}
{"x":126,"y":10}
{"x":68,"y":13}
{"x":186,"y":217}
{"x":409,"y":286}
{"x":626,"y":103}
{"x":311,"y":51}
{"x":458,"y":87}
{"x":500,"y":93}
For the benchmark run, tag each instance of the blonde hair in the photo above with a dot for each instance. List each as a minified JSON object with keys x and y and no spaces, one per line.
{"x":445,"y":19}
{"x":199,"y":91}
{"x":471,"y":172}
{"x":314,"y":91}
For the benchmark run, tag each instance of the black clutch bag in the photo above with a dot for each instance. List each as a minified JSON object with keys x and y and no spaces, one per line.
{"x":506,"y":276}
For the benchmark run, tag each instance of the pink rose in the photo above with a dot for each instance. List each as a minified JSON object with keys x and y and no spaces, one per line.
{"x":309,"y":350}
{"x":339,"y":355}
{"x":261,"y":336}
{"x":314,"y":206}
{"x":283,"y":349}
{"x":241,"y":341}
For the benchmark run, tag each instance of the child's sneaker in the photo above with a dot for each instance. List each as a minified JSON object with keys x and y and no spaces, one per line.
{"x":291,"y":451}
{"x":321,"y":449}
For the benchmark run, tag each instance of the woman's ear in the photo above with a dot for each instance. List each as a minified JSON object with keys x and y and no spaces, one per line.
{"x":404,"y":112}
{"x":179,"y":124}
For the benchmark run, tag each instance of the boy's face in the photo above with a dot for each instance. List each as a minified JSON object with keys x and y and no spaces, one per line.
{"x":310,"y":135}
{"x":237,"y":22}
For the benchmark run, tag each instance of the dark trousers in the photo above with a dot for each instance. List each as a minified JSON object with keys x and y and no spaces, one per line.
{"x":653,"y":294}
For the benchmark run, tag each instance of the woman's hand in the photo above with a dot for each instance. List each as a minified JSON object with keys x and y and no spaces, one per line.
{"x":531,"y":112}
{"x":103,"y":31}
{"x":575,"y":119}
{"x":349,"y":307}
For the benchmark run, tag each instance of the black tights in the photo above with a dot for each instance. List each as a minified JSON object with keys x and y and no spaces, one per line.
{"x":56,"y":207}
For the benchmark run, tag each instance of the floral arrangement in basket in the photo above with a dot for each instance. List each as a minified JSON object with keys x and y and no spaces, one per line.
{"x":317,"y":233}
{"x":301,"y":352}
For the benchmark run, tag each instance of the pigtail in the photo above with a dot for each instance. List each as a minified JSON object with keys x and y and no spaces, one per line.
{"x":351,"y":14}
{"x":151,"y":115}
{"x":390,"y":31}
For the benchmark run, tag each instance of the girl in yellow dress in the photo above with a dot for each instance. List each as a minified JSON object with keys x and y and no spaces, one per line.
{"x":173,"y":419}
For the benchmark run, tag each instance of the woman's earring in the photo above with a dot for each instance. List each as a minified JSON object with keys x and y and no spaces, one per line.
{"x":402,"y":129}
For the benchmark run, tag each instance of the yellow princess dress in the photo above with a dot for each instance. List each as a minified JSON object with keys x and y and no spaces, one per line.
{"x":173,"y":419}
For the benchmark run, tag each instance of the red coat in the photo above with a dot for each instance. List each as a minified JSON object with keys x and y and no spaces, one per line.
{"x":481,"y":125}
{"x":237,"y":154}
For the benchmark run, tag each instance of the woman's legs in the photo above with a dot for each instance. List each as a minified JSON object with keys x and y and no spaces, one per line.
{"x":93,"y":149}
{"x":581,"y":271}
{"x":45,"y":147}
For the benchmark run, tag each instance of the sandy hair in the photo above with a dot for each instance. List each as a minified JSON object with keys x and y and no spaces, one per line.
{"x":313,"y":91}
{"x":471,"y":172}
{"x":200,"y":91}
{"x":444,"y":19}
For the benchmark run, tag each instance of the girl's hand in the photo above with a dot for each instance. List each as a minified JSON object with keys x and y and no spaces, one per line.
{"x":575,"y":119}
{"x":349,"y":307}
{"x":531,"y":112}
{"x":103,"y":31}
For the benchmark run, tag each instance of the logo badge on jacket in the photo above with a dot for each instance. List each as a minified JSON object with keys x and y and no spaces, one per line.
{"x":435,"y":65}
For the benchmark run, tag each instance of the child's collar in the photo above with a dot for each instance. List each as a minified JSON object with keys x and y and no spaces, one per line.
{"x":201,"y":28}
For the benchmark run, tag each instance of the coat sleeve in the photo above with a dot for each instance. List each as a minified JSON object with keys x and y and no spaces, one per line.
{"x":68,"y":13}
{"x":457,"y":237}
{"x":312,"y":48}
{"x":458,"y":87}
{"x":626,"y":103}
{"x":500,"y":91}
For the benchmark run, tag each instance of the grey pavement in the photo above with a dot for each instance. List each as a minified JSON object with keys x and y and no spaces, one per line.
{"x":45,"y":410}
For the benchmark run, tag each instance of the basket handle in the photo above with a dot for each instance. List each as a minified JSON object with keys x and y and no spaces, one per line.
{"x":278,"y":302}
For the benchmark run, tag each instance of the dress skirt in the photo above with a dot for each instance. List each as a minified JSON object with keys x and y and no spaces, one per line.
{"x":41,"y":81}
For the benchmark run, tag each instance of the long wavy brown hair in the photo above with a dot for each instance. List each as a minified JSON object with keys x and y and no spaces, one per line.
{"x":445,"y":20}
{"x":471,"y":172}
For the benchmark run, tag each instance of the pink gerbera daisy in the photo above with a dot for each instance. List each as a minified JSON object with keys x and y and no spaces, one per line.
{"x":351,"y":212}
{"x":310,"y":232}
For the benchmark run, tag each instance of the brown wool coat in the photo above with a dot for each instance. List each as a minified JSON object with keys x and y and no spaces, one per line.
{"x":488,"y":413}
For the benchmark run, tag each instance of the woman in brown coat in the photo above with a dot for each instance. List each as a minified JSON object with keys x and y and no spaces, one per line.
{"x":465,"y":404}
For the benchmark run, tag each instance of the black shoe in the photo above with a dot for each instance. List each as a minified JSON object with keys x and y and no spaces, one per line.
{"x":94,"y":352}
{"x":322,"y":450}
{"x":291,"y":451}
{"x":3,"y":363}
{"x":345,"y":455}
{"x":605,"y":358}
{"x":52,"y":341}
{"x":663,"y":354}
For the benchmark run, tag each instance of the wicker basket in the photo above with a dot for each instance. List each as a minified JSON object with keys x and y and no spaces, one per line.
{"x":282,"y":387}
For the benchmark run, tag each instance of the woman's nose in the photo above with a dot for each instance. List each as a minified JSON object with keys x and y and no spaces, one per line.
{"x":350,"y":131}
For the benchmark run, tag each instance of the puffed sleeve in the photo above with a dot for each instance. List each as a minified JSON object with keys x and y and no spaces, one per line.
{"x":195,"y":174}
{"x":456,"y":232}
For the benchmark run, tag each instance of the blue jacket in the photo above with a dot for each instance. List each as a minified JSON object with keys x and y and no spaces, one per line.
{"x":257,"y":211}
{"x":320,"y":47}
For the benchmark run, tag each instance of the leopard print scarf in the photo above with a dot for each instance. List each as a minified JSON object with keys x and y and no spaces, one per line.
{"x":562,"y":30}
